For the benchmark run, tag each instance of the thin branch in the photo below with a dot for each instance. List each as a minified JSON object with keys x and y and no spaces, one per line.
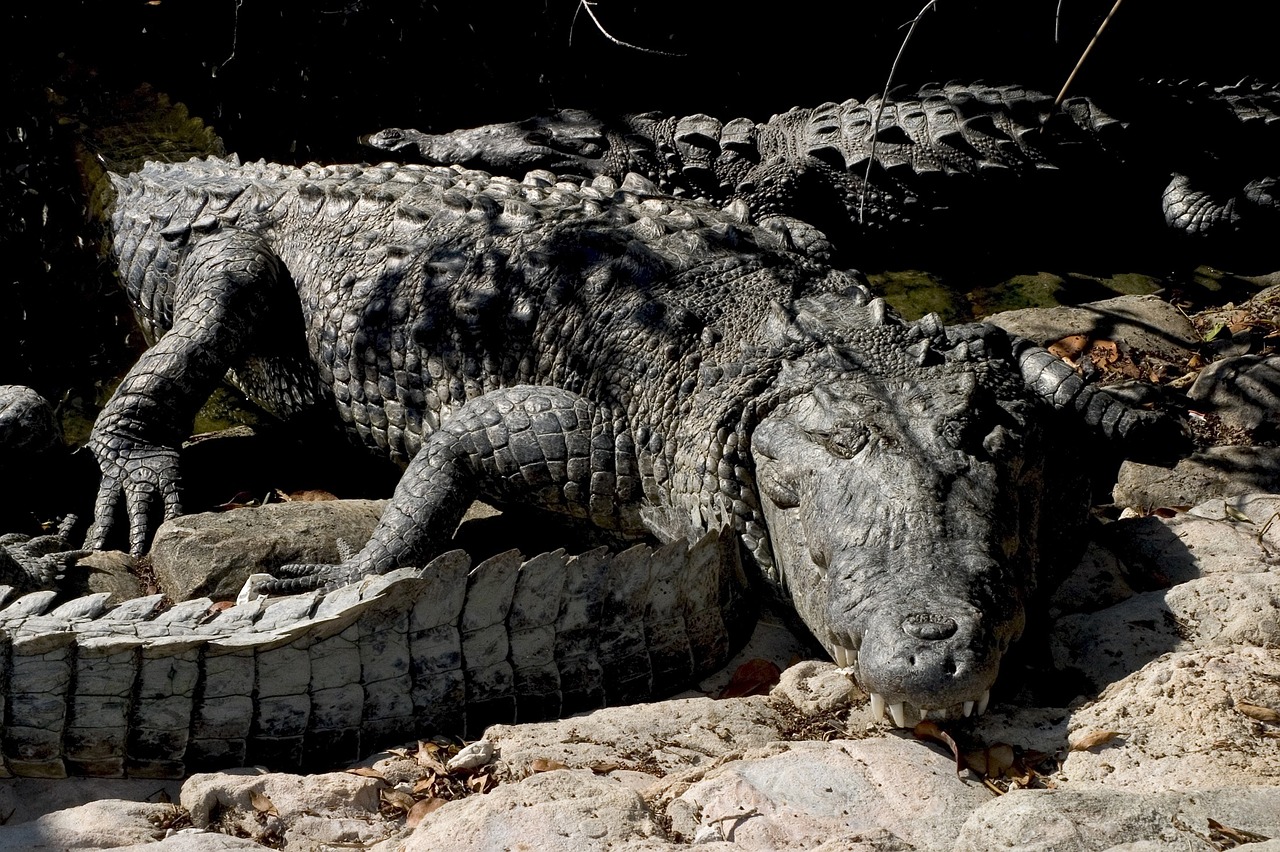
{"x":1057,"y":24}
{"x":888,"y":83}
{"x":586,"y":5}
{"x":1071,"y":77}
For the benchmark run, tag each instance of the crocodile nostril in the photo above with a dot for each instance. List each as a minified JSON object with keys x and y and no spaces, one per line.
{"x":923,"y":625}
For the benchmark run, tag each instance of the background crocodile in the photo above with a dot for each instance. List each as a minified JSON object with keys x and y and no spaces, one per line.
{"x":639,"y":363}
{"x":976,"y":164}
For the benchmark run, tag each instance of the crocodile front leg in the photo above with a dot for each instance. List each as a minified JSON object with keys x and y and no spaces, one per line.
{"x":221,"y":293}
{"x":540,"y":446}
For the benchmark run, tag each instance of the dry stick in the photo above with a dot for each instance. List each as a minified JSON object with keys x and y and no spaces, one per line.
{"x":1085,"y":55}
{"x":587,"y":4}
{"x":875,"y":126}
{"x":1057,"y":22}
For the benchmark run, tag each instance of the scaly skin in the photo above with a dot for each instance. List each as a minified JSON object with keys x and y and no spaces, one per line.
{"x":975,"y":162}
{"x":637,"y":363}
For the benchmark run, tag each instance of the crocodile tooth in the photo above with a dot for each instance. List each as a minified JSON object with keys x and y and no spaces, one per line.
{"x":899,"y":713}
{"x":982,"y":702}
{"x":877,"y":707}
{"x":968,"y":709}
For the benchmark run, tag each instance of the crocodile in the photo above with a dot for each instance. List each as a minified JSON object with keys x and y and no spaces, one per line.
{"x":968,"y":162}
{"x":645,"y":365}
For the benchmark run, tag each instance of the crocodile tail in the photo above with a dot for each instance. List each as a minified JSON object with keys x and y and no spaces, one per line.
{"x":314,"y":680}
{"x":1139,"y":433}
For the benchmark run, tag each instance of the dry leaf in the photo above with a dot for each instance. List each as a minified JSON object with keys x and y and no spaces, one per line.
{"x":754,"y":677}
{"x":604,"y":768}
{"x":366,"y":771}
{"x":993,"y":761}
{"x":307,"y":496}
{"x":480,"y":783}
{"x":397,"y":799}
{"x":1255,"y":711}
{"x":420,"y":809}
{"x":1069,"y":348}
{"x":423,"y":785}
{"x":928,"y":729}
{"x":544,"y":764}
{"x":1093,"y":739}
{"x":262,"y":803}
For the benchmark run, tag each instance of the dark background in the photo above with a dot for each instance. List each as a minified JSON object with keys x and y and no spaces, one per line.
{"x":293,"y":82}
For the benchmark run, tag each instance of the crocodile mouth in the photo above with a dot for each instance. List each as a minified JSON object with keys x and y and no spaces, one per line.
{"x":903,"y":714}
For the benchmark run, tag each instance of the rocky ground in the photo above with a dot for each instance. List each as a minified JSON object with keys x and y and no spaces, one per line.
{"x":1142,"y":713}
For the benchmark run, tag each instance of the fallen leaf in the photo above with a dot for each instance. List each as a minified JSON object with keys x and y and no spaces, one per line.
{"x":1093,"y":739}
{"x":1255,"y":711}
{"x":423,"y":785}
{"x":928,"y":729}
{"x":1237,"y":836}
{"x":366,"y":771}
{"x":992,"y":761}
{"x":604,"y":768}
{"x":544,"y":764}
{"x":480,"y":783}
{"x":262,"y":803}
{"x":1069,"y":348}
{"x":306,"y":496}
{"x":397,"y":799}
{"x":420,"y":809}
{"x":754,"y":677}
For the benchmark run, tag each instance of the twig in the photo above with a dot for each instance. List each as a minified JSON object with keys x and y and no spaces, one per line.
{"x":1057,"y":23}
{"x":875,"y":125}
{"x":587,"y":4}
{"x":235,"y":36}
{"x":1085,"y":55}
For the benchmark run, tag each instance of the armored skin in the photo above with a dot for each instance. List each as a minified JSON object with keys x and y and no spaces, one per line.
{"x":640,"y":363}
{"x":942,"y":169}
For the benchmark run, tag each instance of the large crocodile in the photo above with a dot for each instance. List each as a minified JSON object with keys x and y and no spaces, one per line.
{"x":978,"y":164}
{"x":639,"y":363}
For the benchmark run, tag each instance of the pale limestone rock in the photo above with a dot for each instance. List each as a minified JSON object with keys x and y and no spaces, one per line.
{"x":335,"y":807}
{"x":96,"y":825}
{"x":211,"y":554}
{"x":836,"y":793}
{"x":1215,"y":472}
{"x":1079,"y":820}
{"x":1211,"y":612}
{"x":568,"y":810}
{"x":1179,"y":727}
{"x":815,"y":686}
{"x":669,"y":735}
{"x":1244,"y":391}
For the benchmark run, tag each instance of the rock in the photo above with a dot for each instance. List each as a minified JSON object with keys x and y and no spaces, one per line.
{"x":96,"y":825}
{"x":815,"y":686}
{"x":1071,"y":820}
{"x":1215,"y":472}
{"x":662,"y":737}
{"x":831,"y":796}
{"x":1180,"y":726}
{"x":334,"y":807}
{"x":1223,"y":590}
{"x":1144,"y":324}
{"x":1244,"y":393}
{"x":112,"y":571}
{"x":192,"y":840}
{"x":211,"y":554}
{"x":568,"y":810}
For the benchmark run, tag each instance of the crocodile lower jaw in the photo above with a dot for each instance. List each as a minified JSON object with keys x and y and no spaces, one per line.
{"x":904,"y":715}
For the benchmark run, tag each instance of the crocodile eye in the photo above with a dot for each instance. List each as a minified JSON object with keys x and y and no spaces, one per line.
{"x":953,"y":432}
{"x":844,"y":442}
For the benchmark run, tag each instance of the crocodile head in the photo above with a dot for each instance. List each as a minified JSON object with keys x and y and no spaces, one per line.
{"x":902,"y":513}
{"x":563,"y":141}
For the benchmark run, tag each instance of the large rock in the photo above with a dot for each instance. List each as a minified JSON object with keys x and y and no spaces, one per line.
{"x":1243,"y":393}
{"x":1184,"y":722}
{"x":568,"y":810}
{"x":1078,"y":820}
{"x":1227,"y":471}
{"x":893,"y":792}
{"x":103,"y":824}
{"x":1145,"y":325}
{"x":212,"y":554}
